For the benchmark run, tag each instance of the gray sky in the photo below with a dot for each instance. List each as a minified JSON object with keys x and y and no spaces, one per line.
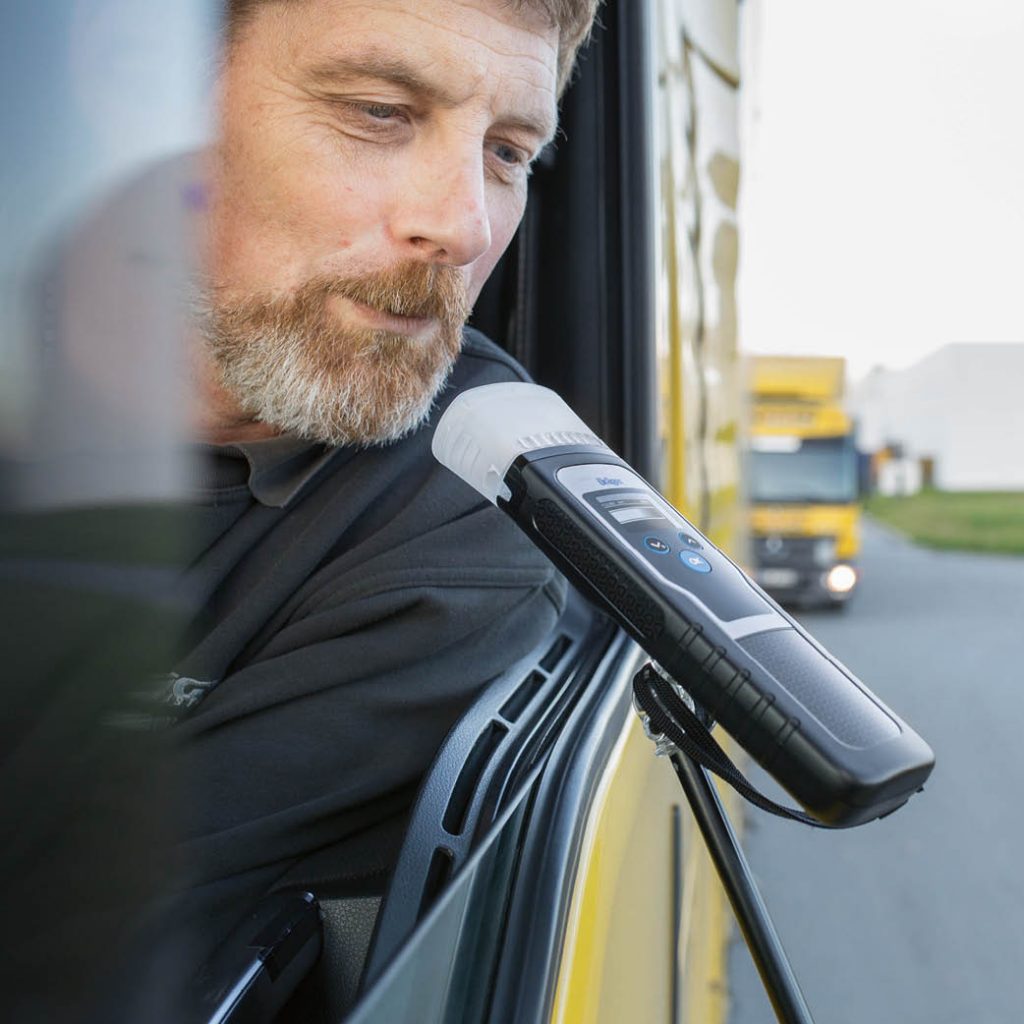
{"x":882,"y":210}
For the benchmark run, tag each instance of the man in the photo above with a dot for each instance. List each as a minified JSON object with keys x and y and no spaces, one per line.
{"x":371,"y":169}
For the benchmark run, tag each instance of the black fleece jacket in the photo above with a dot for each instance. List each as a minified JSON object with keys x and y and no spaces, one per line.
{"x":342,"y":635}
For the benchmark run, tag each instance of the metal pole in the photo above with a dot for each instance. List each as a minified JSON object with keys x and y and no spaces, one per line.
{"x":763,"y":941}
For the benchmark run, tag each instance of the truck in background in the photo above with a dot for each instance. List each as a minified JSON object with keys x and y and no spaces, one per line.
{"x":802,"y":480}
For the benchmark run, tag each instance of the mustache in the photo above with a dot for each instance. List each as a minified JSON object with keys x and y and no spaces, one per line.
{"x":288,"y":361}
{"x":413,"y":289}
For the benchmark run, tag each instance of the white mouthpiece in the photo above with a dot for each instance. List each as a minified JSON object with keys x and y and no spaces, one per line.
{"x":486,"y":429}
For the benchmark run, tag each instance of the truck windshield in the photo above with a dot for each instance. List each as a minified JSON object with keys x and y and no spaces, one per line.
{"x":820,"y":470}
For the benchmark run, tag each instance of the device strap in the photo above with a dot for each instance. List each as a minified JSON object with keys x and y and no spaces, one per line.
{"x":670,"y":716}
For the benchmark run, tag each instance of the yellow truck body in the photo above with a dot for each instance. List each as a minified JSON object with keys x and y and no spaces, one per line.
{"x":802,"y":479}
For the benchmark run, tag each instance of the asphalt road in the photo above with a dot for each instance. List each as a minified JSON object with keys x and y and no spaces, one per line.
{"x":917,"y":919}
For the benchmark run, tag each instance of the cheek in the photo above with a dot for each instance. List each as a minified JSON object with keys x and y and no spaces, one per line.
{"x":294,"y":211}
{"x":324,"y":202}
{"x":505,"y":211}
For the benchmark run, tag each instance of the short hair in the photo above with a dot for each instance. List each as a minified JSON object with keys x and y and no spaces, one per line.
{"x":572,"y":18}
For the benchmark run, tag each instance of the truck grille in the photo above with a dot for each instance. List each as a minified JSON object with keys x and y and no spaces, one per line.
{"x":791,"y":552}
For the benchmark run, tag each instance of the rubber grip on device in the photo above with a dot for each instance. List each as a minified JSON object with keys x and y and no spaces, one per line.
{"x":626,"y":599}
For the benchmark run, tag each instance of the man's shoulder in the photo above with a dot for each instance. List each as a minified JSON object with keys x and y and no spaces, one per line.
{"x":483,"y":362}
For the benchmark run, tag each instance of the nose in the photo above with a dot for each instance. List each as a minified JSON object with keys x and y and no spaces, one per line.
{"x":442,"y":214}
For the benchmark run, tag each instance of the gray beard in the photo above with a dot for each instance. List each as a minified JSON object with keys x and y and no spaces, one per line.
{"x":326,"y":383}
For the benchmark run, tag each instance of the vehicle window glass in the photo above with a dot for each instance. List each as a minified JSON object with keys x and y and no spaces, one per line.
{"x":818,"y":470}
{"x":443,"y":975}
{"x":103,"y":102}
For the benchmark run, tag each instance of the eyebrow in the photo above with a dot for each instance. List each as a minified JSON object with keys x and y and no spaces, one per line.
{"x":396,"y":71}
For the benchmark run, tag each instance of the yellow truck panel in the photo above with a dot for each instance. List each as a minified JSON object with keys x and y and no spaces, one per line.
{"x":839,"y":521}
{"x":785,"y":418}
{"x":800,"y":379}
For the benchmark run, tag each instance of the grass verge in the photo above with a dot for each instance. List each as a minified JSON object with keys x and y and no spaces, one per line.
{"x":990,"y":521}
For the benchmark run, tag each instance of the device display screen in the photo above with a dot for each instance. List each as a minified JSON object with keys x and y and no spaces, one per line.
{"x":630,"y":507}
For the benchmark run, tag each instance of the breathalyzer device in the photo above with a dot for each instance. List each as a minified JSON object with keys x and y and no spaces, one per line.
{"x":804,"y":717}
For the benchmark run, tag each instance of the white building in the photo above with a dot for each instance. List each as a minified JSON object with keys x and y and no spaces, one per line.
{"x":962,"y":407}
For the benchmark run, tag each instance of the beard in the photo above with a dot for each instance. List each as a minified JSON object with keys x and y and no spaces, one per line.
{"x":290,"y":363}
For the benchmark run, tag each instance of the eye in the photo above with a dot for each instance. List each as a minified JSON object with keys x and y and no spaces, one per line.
{"x":374,"y":121}
{"x":378,"y":111}
{"x":510,"y":154}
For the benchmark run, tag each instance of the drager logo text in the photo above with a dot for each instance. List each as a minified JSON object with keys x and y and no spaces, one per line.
{"x":609,"y":481}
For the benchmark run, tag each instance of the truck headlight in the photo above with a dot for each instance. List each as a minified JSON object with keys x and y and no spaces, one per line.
{"x":841,"y":579}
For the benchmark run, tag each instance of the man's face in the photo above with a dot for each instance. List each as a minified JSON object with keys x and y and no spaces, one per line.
{"x":371,"y":170}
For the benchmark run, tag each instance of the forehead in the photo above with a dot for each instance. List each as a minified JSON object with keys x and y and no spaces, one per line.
{"x":474,"y":50}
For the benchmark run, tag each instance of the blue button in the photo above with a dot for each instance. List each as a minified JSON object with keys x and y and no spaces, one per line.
{"x":657,"y":545}
{"x":698,"y":563}
{"x":691,"y":542}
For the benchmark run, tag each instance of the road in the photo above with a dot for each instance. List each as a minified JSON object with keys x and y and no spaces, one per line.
{"x":917,"y":919}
